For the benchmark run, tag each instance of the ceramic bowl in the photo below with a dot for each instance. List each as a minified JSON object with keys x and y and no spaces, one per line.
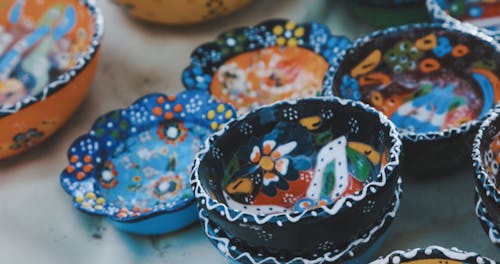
{"x":48,"y":56}
{"x":433,"y":254}
{"x":274,"y":60}
{"x":435,"y":82}
{"x":180,"y":12}
{"x":484,"y":14}
{"x":486,"y":160}
{"x":282,"y":181}
{"x":491,"y":228}
{"x":134,"y":165}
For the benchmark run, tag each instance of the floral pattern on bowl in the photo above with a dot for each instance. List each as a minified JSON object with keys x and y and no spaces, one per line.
{"x":274,"y":60}
{"x":433,"y":254}
{"x":436,"y":82}
{"x":135,"y":162}
{"x":299,"y":167}
{"x":481,"y":13}
{"x":38,"y":45}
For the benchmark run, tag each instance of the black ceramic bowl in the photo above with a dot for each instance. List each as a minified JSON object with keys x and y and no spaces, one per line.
{"x":433,"y":254}
{"x":287,"y":179}
{"x":486,"y":160}
{"x":436,"y":82}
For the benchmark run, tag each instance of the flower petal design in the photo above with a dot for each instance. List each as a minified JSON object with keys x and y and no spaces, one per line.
{"x":255,"y":155}
{"x":270,"y":177}
{"x":284,"y":149}
{"x":268,"y":146}
{"x":281,"y":166}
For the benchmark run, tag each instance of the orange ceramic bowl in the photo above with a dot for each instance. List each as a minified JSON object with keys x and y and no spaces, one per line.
{"x":48,"y":56}
{"x":179,"y":12}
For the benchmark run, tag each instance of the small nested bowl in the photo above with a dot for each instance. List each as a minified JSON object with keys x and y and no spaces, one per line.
{"x":486,"y":160}
{"x":484,"y":14}
{"x":433,"y":254}
{"x":134,"y":165}
{"x":274,"y":60}
{"x":309,"y":180}
{"x":48,"y":57}
{"x":436,"y":82}
{"x":180,"y":12}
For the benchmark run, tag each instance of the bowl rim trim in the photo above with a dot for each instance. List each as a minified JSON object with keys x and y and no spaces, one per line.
{"x":480,"y":173}
{"x":452,"y":254}
{"x":381,"y":223}
{"x":196,"y":55}
{"x":65,"y":179}
{"x":383,"y":175}
{"x":440,"y":15}
{"x":67,"y":76}
{"x":482,"y":215}
{"x":406,"y":135}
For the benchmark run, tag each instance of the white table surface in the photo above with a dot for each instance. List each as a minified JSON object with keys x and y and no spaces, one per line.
{"x":38,"y":224}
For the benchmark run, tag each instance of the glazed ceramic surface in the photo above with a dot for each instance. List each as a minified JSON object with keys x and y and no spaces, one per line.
{"x":433,"y":255}
{"x":390,"y":3}
{"x":485,"y":153}
{"x":293,"y":170}
{"x":135,"y":163}
{"x":481,"y":13}
{"x":433,"y":81}
{"x":253,"y":66}
{"x":179,"y":12}
{"x":45,"y":46}
{"x":491,"y":228}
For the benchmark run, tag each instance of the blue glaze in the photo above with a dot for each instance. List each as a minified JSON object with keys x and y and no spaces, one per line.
{"x":443,"y":47}
{"x":134,"y":164}
{"x":487,"y":88}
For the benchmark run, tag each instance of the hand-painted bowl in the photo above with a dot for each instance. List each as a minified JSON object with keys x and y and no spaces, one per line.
{"x":48,"y":56}
{"x":134,"y":165}
{"x":180,"y":12}
{"x":385,"y":13}
{"x":282,"y":181}
{"x":433,"y":254}
{"x":274,"y":60}
{"x":486,"y":160}
{"x":484,"y":14}
{"x":435,"y":82}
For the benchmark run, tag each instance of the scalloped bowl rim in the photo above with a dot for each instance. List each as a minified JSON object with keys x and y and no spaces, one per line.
{"x":331,"y":209}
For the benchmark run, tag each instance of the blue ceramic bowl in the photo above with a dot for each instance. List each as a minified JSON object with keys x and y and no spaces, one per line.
{"x":433,"y":254}
{"x":482,"y":14}
{"x":486,"y":160}
{"x":134,"y":165}
{"x":281,"y":182}
{"x":436,"y":82}
{"x":274,"y":60}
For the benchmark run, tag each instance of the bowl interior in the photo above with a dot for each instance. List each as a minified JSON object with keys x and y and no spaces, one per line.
{"x":490,"y":152}
{"x":263,"y":76}
{"x":482,"y":13}
{"x":39,"y":40}
{"x":424,"y":79}
{"x":152,"y":167}
{"x":293,"y":156}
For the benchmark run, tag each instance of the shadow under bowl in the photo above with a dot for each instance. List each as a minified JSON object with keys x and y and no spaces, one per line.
{"x":299,"y":179}
{"x":436,"y":82}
